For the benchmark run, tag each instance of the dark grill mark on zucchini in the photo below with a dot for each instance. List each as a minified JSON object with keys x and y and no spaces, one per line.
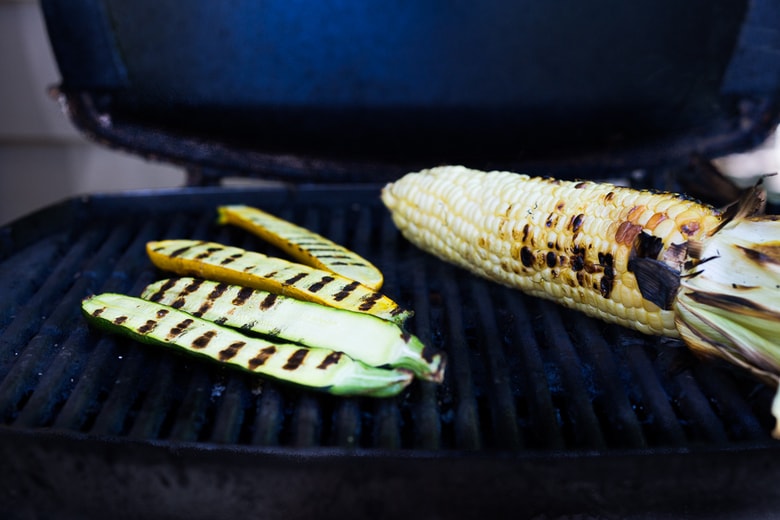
{"x":261,"y":357}
{"x":98,"y":312}
{"x":218,"y":290}
{"x":162,"y":313}
{"x":296,"y":278}
{"x":330,"y":359}
{"x":193,"y":286}
{"x":268,"y":302}
{"x":243,"y":294}
{"x":232,"y":258}
{"x":180,"y":327}
{"x":322,"y":283}
{"x":178,"y":303}
{"x":147,"y":327}
{"x":120,"y":320}
{"x":296,"y":359}
{"x":368,"y":302}
{"x":231,"y":350}
{"x":345,"y":291}
{"x":202,"y":342}
{"x":203,"y":309}
{"x":159,"y":294}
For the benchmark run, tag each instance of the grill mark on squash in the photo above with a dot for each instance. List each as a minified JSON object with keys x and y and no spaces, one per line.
{"x":298,"y":277}
{"x":203,"y":340}
{"x":315,"y":287}
{"x":147,"y":327}
{"x":231,"y":350}
{"x":243,"y":295}
{"x":296,"y":359}
{"x":368,"y":302}
{"x":331,"y":359}
{"x":171,"y":282}
{"x":261,"y":357}
{"x":268,"y":301}
{"x":180,"y":327}
{"x":345,"y":291}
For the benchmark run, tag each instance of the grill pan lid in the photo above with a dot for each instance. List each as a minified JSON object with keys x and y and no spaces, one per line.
{"x":310,"y":91}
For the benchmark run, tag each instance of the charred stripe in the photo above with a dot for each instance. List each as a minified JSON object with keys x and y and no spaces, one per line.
{"x":207,"y":253}
{"x":346,"y":291}
{"x":320,"y":284}
{"x":180,"y":327}
{"x":268,"y":301}
{"x":203,"y":340}
{"x":296,"y":359}
{"x":261,"y":357}
{"x":231,"y":350}
{"x":331,"y":359}
{"x":298,"y":277}
{"x":243,"y":295}
{"x":156,"y":297}
{"x":232,"y":258}
{"x":368,"y":302}
{"x":147,"y":327}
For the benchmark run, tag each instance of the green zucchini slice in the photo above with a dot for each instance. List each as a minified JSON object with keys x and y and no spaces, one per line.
{"x":361,"y":336}
{"x":321,"y":369}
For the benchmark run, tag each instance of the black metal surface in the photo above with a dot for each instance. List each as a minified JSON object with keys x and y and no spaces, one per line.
{"x":541,"y":409}
{"x":271,"y":89}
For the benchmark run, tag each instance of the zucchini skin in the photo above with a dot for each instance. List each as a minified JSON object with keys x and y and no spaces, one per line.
{"x":238,"y":266}
{"x":363,"y":337}
{"x":319,"y":369}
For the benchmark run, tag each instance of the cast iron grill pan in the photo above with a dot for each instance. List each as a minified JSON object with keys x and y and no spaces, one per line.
{"x":542,"y":411}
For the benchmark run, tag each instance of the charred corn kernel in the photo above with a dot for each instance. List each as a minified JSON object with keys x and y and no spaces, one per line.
{"x":237,"y":266}
{"x":575,"y":242}
{"x":321,"y":369}
{"x":302,"y":244}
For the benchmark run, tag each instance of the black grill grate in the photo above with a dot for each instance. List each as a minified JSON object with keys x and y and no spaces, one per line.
{"x":524,"y":374}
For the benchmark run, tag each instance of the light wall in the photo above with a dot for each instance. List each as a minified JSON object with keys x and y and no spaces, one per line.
{"x":43,"y":159}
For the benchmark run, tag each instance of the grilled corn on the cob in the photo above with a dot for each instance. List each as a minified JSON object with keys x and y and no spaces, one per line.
{"x":659,"y":263}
